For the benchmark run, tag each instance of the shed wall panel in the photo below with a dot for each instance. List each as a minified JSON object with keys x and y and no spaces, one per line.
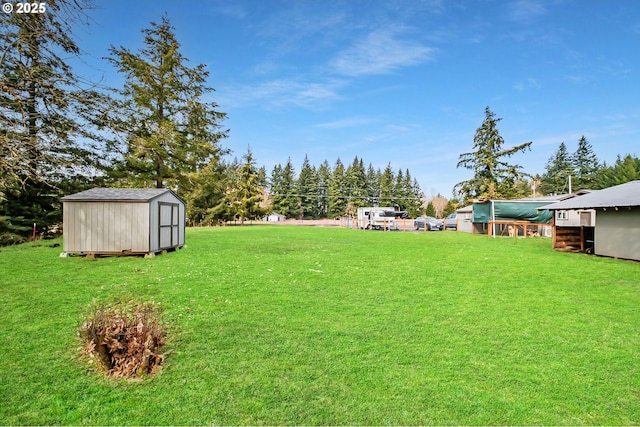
{"x":139,"y":222}
{"x":103,"y":227}
{"x":617,"y":233}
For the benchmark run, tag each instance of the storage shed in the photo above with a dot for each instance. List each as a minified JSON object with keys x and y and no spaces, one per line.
{"x":116,"y":221}
{"x":463,"y":219}
{"x":617,"y":223}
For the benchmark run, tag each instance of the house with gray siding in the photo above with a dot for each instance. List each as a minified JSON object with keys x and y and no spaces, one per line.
{"x":118,"y":221}
{"x":617,"y":219}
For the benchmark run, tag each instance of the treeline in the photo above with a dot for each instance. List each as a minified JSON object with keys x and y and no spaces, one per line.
{"x":583,"y":170}
{"x":494,"y":177}
{"x":338,"y":190}
{"x":60,"y":134}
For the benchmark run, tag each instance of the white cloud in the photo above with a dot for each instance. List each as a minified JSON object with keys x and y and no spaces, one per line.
{"x":525,"y":11}
{"x":233,"y":10}
{"x":349,"y":122}
{"x":527,"y":84}
{"x":380,"y":52}
{"x":283,"y":92}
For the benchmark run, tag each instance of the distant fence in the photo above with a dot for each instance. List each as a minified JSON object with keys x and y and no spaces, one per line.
{"x":401,"y":224}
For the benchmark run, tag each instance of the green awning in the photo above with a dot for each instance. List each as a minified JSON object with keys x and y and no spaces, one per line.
{"x":506,"y":210}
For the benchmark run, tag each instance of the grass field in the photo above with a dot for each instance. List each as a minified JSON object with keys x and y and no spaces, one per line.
{"x":295,"y":325}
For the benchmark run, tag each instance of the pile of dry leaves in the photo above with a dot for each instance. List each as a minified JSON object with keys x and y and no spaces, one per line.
{"x":125,"y":338}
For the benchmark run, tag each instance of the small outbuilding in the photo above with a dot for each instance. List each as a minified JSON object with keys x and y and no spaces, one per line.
{"x":464,"y":216}
{"x":117,"y":221}
{"x":274,"y":217}
{"x":617,"y":220}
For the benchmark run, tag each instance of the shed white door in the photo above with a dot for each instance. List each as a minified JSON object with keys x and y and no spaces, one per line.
{"x":169,"y":228}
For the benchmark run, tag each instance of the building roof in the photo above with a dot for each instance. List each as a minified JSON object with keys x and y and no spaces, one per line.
{"x":623,"y":195}
{"x":117,"y":194}
{"x":537,"y":199}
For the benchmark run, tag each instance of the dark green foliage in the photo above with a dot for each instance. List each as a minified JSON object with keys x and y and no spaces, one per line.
{"x":333,"y":192}
{"x":387,"y":184}
{"x":493,"y":176}
{"x":356,"y":186}
{"x":308,"y":189}
{"x":586,"y":166}
{"x":430,"y":210}
{"x":323,"y":176}
{"x":44,"y":112}
{"x":560,"y":166}
{"x":244,"y":193}
{"x":582,"y":167}
{"x":161,"y":125}
{"x":624,"y":170}
{"x":205,"y":200}
{"x":336,"y":191}
{"x":284,"y":193}
{"x":450,"y":207}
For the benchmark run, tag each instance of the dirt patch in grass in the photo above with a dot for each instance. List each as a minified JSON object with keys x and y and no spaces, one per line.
{"x":125,"y":339}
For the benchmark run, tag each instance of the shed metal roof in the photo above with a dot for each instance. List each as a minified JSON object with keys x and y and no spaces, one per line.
{"x":118,"y":194}
{"x":623,"y":195}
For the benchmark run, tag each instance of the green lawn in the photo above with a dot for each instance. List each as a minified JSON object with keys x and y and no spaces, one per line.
{"x":292,"y":325}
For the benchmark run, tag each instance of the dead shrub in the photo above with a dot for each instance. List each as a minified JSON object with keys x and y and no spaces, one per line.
{"x":125,"y":338}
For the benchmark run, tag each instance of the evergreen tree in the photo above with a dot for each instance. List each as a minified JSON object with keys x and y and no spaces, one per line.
{"x":387,"y":183}
{"x":407,"y":193}
{"x":418,"y":195}
{"x":205,"y":203}
{"x":324,"y":176}
{"x":400,"y":192}
{"x":277,"y":192}
{"x":337,"y":202}
{"x":45,"y":110}
{"x":430,"y":210}
{"x":265,"y":203}
{"x":557,"y":171}
{"x":373,"y":185}
{"x":493,"y":176}
{"x":450,"y":208}
{"x":356,"y":184}
{"x":308,"y":190}
{"x":624,"y":170}
{"x":165,"y":130}
{"x":285,"y":198}
{"x":245,"y":190}
{"x":585,"y":165}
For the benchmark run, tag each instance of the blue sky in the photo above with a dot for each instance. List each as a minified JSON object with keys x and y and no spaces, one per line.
{"x":400,"y":81}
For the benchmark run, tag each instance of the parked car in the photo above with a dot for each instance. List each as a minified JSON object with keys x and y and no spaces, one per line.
{"x":451,"y":222}
{"x":431,"y":223}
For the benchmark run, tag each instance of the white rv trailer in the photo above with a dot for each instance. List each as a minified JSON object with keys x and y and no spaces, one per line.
{"x":379,"y":218}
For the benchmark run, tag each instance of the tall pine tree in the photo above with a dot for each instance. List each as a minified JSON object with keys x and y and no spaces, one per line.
{"x":585,"y":165}
{"x":164,"y":129}
{"x":308,"y":190}
{"x":493,"y":176}
{"x":245,"y":190}
{"x":336,"y":191}
{"x":45,"y":109}
{"x":558,"y":169}
{"x":387,"y":184}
